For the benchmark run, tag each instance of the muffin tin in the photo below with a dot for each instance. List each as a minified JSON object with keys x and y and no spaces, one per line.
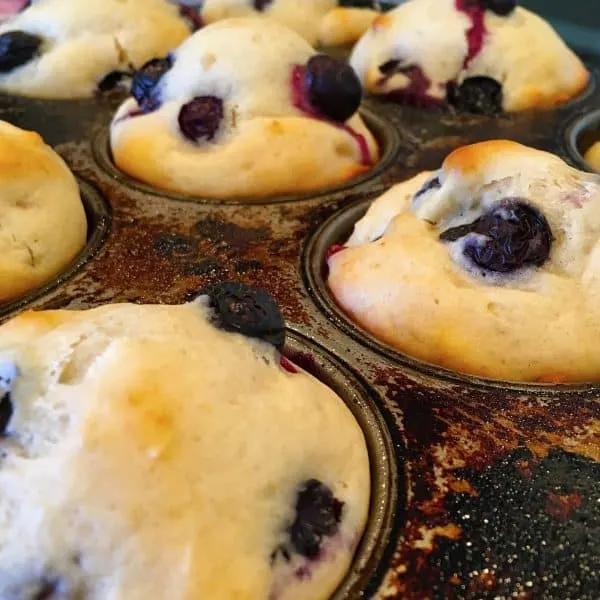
{"x":481,"y":489}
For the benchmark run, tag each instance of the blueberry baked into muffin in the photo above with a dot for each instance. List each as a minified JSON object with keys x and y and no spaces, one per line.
{"x":42,"y":220}
{"x":263,"y":116}
{"x":482,"y":56}
{"x":72,"y":48}
{"x":317,"y":21}
{"x":156,"y":452}
{"x":490,"y":266}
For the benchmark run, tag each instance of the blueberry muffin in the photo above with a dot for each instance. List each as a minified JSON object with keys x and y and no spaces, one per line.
{"x":482,"y":56}
{"x":42,"y":220}
{"x":490,"y":266}
{"x":68,"y":48}
{"x":257,"y":118}
{"x":317,"y":21}
{"x":156,"y":452}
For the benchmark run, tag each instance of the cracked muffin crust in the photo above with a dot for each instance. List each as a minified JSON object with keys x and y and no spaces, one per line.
{"x":482,"y":56}
{"x":254,"y":119}
{"x":490,"y":266}
{"x":138,"y":464}
{"x":42,"y":220}
{"x":66,"y":48}
{"x":317,"y":21}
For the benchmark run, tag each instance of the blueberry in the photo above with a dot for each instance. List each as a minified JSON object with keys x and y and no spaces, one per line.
{"x":17,"y":48}
{"x":201,"y":117}
{"x":242,"y":309}
{"x":318,"y":515}
{"x":145,"y":80}
{"x":431,"y":184}
{"x":6,"y":412}
{"x":360,"y":3}
{"x":511,"y":235}
{"x":260,"y":5}
{"x":479,"y":95}
{"x":390,"y":67}
{"x":502,"y":8}
{"x":333,"y":87}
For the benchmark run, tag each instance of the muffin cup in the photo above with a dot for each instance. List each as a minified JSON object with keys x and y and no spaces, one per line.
{"x":386,"y":137}
{"x":98,"y":217}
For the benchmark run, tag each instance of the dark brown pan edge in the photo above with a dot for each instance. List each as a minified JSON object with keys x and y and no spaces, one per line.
{"x":98,"y":215}
{"x":385,"y":135}
{"x":387,"y":468}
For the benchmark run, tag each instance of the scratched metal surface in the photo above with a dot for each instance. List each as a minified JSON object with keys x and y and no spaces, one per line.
{"x":497,"y":491}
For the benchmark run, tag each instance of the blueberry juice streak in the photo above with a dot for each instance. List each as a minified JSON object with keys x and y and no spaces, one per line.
{"x":300,"y":99}
{"x":477,"y":32}
{"x":416,"y":92}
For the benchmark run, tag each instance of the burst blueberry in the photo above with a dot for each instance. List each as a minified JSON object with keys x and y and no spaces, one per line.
{"x":145,"y":81}
{"x":511,"y":235}
{"x":333,"y":87}
{"x":502,"y":8}
{"x":17,"y":48}
{"x":318,"y":515}
{"x":200,"y":118}
{"x":479,"y":95}
{"x":261,"y":5}
{"x":252,"y":312}
{"x":431,"y":184}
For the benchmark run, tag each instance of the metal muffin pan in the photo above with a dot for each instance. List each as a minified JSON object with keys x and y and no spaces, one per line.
{"x":498,"y":484}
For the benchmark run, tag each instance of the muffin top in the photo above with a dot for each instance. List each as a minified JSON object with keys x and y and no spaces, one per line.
{"x":317,"y":21}
{"x":154,"y":451}
{"x":482,"y":56}
{"x":66,"y":48}
{"x":490,"y":265}
{"x":257,"y":118}
{"x":42,"y":220}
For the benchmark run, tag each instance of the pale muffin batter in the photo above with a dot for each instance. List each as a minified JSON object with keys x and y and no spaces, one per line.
{"x":42,"y":220}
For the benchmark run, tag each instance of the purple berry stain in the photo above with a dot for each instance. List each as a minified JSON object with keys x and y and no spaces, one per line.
{"x":200,"y":118}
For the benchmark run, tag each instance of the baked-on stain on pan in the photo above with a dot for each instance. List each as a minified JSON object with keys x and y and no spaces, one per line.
{"x":522,"y":458}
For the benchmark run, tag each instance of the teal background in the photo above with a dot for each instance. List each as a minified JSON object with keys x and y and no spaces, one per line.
{"x":578,"y":21}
